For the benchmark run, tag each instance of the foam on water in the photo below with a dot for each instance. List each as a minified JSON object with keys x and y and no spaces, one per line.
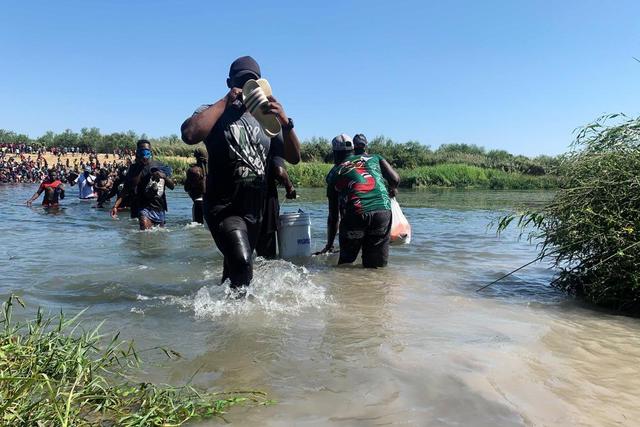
{"x":278,"y":287}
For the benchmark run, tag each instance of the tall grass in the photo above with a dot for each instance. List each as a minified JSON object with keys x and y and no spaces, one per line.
{"x":307,"y":174}
{"x":591,"y":229}
{"x":464,"y":176}
{"x":445,"y":175}
{"x":54,"y":373}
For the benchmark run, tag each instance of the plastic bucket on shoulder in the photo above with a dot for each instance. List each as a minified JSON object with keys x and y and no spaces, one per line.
{"x":294,"y":235}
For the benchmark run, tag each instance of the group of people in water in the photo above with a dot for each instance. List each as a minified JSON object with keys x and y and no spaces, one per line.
{"x":233,"y":183}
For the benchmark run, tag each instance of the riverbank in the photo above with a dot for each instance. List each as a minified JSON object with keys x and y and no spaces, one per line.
{"x":313,"y":174}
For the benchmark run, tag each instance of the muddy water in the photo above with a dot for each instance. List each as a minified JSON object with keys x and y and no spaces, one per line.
{"x":412,"y":344}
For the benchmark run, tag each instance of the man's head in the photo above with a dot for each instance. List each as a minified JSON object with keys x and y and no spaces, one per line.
{"x":52,"y":175}
{"x":143,"y":152}
{"x":241,"y":70}
{"x":342,"y":147}
{"x":359,"y":144}
{"x":87,"y":170}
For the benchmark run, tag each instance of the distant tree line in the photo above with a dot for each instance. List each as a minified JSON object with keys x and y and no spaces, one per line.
{"x":406,"y":155}
{"x":412,"y":154}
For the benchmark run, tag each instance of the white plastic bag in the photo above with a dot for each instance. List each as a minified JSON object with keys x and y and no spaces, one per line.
{"x":400,"y":227}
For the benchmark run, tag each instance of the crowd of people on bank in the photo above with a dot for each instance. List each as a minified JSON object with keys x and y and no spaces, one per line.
{"x":21,"y":163}
{"x":233,"y":183}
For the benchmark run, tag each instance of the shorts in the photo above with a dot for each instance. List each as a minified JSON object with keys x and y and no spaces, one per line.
{"x":156,"y":217}
{"x":369,"y":231}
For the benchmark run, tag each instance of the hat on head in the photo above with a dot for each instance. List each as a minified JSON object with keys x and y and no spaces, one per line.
{"x":359,"y":141}
{"x":87,"y":169}
{"x":244,"y":65}
{"x":342,"y":142}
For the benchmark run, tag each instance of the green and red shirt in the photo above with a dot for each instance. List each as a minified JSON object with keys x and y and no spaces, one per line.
{"x":359,"y":184}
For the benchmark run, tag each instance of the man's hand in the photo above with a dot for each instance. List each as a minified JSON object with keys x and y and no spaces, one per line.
{"x":29,"y":202}
{"x":159,"y":175}
{"x":326,"y":249}
{"x":275,"y":108}
{"x":393,"y":192}
{"x":114,"y":213}
{"x":233,"y":95}
{"x":291,"y":193}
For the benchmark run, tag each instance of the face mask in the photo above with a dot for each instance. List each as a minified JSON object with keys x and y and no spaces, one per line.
{"x":143,"y":153}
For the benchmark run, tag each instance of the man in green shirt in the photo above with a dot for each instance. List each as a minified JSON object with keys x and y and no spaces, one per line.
{"x":359,"y":202}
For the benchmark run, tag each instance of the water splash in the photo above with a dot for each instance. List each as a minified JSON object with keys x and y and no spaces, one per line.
{"x":279,"y":287}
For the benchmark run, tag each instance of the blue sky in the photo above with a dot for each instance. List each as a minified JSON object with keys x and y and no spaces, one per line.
{"x":515,"y":75}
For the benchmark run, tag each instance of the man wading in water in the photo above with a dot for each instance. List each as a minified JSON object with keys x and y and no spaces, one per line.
{"x":359,"y":202}
{"x":145,"y":186}
{"x":194,"y":184}
{"x":53,"y":191}
{"x":238,"y":150}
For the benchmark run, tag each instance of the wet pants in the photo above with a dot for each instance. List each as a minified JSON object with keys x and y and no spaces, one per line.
{"x":236,"y":238}
{"x":197,"y":213}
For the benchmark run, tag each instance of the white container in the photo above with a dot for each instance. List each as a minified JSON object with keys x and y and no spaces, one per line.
{"x":294,"y":235}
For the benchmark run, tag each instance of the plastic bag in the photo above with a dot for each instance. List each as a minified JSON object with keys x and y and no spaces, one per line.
{"x":400,"y":227}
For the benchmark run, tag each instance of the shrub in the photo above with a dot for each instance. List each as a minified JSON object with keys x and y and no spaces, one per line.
{"x":591,"y":229}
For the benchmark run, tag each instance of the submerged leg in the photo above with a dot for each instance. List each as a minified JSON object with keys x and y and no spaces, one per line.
{"x":233,"y":240}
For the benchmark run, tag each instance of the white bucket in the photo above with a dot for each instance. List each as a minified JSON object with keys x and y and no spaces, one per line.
{"x":294,"y":235}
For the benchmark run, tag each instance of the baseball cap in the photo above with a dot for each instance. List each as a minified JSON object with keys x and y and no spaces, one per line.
{"x":359,"y":141}
{"x":244,"y":65}
{"x":87,"y":169}
{"x":342,"y":142}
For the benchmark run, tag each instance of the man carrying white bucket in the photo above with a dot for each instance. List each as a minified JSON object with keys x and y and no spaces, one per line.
{"x":359,"y":201}
{"x":238,"y":142}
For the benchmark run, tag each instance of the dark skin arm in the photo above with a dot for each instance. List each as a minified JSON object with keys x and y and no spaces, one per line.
{"x":333,"y":221}
{"x":126,"y":190}
{"x":35,"y":196}
{"x":197,"y":127}
{"x":392,"y":177}
{"x":282,"y":177}
{"x":168,"y":182}
{"x":291,"y":142}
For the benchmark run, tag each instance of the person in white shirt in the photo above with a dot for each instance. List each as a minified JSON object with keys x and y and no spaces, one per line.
{"x":85,"y":185}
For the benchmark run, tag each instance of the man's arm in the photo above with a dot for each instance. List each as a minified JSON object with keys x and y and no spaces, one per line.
{"x":291,"y":142}
{"x":168,"y":182}
{"x":333,"y":222}
{"x":197,"y":127}
{"x":392,"y":177}
{"x":282,"y":177}
{"x":35,"y":195}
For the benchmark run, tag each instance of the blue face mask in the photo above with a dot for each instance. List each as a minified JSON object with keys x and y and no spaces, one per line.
{"x":143,"y":153}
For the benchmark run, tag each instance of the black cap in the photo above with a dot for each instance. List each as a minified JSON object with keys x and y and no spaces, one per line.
{"x":244,"y":65}
{"x":359,"y":140}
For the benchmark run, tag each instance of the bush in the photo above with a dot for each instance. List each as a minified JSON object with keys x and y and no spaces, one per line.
{"x":591,"y":229}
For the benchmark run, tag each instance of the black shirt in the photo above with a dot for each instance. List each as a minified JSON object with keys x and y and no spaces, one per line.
{"x":144,"y":192}
{"x":238,"y":149}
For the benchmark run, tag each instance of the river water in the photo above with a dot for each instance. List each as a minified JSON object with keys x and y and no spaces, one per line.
{"x":412,"y":344}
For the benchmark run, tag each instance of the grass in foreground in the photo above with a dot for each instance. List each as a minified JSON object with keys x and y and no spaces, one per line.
{"x":54,"y":373}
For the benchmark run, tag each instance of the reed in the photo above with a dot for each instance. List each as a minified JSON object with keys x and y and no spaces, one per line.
{"x":54,"y":373}
{"x":591,"y":229}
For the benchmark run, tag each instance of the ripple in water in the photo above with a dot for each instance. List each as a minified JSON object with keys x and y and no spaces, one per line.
{"x":278,"y":287}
